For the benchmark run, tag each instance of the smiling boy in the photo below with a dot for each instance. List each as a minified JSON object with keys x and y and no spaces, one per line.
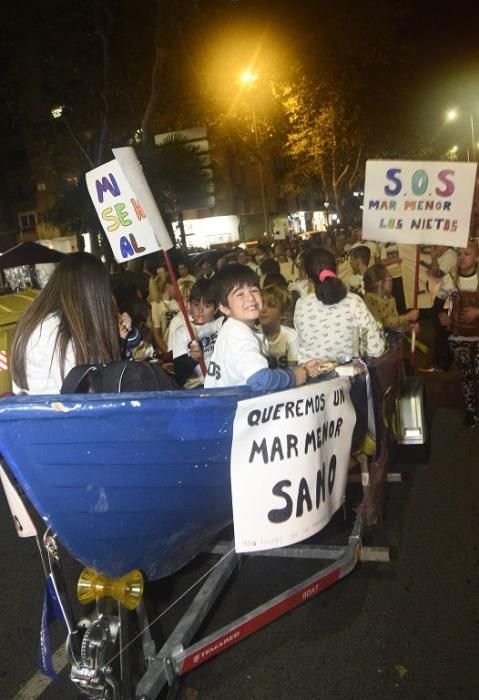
{"x":187,"y":354}
{"x":239,"y":356}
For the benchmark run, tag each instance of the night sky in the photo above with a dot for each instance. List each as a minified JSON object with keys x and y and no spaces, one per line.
{"x":415,"y":64}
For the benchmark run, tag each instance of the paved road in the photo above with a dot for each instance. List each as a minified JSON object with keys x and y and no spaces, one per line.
{"x":403,"y":629}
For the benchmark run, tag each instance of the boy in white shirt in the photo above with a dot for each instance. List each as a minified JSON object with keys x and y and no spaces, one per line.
{"x":187,"y":353}
{"x":360,"y":258}
{"x":281,"y":341}
{"x":238,"y":356}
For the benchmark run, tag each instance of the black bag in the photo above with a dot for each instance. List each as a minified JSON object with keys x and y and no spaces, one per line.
{"x":117,"y":377}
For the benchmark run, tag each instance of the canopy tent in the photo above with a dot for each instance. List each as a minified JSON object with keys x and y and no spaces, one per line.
{"x":29,"y":253}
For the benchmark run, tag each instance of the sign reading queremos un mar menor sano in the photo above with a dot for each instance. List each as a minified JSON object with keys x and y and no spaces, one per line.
{"x":289,"y":463}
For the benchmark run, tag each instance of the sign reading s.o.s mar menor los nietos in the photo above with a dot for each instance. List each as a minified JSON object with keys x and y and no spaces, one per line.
{"x":126,"y":207}
{"x":289,"y":463}
{"x":422,"y":202}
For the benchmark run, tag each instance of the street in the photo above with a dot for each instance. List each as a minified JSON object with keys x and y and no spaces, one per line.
{"x":407,"y":628}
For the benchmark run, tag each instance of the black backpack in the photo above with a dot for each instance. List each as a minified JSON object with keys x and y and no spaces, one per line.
{"x":117,"y":377}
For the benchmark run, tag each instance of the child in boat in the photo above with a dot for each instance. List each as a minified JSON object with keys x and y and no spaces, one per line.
{"x":239,"y":356}
{"x":281,"y":341}
{"x":187,"y":353}
{"x":326,"y":319}
{"x":378,"y":286}
{"x":461,"y":285}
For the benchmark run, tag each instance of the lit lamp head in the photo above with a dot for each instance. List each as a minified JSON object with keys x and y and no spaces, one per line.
{"x":57,"y":112}
{"x":248,"y":77}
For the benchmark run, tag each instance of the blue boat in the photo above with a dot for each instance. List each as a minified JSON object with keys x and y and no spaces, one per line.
{"x":126,"y":481}
{"x":142,"y":481}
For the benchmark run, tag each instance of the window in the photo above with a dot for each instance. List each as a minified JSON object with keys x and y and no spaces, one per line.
{"x":70,"y":181}
{"x":27,"y":219}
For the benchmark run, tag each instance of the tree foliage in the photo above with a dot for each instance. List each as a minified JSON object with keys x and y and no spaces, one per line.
{"x":176,"y":173}
{"x":325,"y":141}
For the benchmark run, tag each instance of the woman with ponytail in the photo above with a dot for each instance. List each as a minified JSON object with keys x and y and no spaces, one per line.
{"x":326,"y":319}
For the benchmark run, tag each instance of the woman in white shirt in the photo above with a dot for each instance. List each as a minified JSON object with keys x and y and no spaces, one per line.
{"x":71,"y":322}
{"x":326,"y":319}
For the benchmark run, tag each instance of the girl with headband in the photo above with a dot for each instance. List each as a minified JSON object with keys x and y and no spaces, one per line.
{"x":327,"y":318}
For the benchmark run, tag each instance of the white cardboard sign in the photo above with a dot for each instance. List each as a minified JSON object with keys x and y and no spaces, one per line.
{"x":289,"y":463}
{"x":126,"y":207}
{"x":422,"y":202}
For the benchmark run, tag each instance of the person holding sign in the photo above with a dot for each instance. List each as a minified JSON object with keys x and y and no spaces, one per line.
{"x":461,"y":286}
{"x":326,"y":319}
{"x":72,"y":322}
{"x":239,"y":357}
{"x":378,"y":285}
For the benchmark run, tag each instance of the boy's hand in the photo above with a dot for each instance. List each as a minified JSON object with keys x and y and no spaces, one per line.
{"x":313,"y":368}
{"x":300,"y":374}
{"x":124,"y":324}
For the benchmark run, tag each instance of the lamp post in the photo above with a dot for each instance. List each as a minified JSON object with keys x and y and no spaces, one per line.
{"x":248,"y":79}
{"x":451,"y":116}
{"x":59,"y":113}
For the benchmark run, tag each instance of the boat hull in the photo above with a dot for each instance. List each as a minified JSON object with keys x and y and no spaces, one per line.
{"x":125,"y":480}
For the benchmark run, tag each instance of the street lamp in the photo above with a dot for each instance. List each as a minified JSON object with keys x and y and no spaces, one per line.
{"x":248,"y":79}
{"x":58,"y":112}
{"x":452,"y":115}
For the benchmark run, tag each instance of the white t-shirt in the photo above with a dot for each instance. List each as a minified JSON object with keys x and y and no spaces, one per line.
{"x":42,"y":364}
{"x":175,"y":323}
{"x":466,"y":284}
{"x":206,"y":333}
{"x":238,"y":354}
{"x":343,"y":266}
{"x":303,"y":287}
{"x":326,"y":331}
{"x":355,"y":283}
{"x":284,"y":348}
{"x":447,"y":261}
{"x":390,"y":252}
{"x":162,"y":312}
{"x":373,"y":247}
{"x":289,"y":270}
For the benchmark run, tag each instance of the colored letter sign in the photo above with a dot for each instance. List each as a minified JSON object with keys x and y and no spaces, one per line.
{"x":126,"y":208}
{"x":418,"y":202}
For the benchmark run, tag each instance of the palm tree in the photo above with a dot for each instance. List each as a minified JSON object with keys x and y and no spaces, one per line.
{"x":178,"y":176}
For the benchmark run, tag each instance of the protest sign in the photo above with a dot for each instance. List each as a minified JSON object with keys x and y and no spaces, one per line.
{"x":418,"y":202}
{"x":126,"y":208}
{"x":289,"y":462}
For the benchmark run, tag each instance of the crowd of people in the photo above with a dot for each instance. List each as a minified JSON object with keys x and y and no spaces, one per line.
{"x":268,"y":318}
